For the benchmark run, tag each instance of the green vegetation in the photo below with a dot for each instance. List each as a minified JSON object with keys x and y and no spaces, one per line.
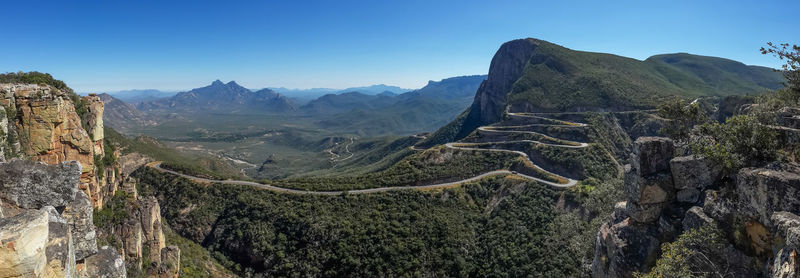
{"x":196,"y":261}
{"x":173,"y":159}
{"x":560,"y":79}
{"x":682,"y":118}
{"x":696,"y":253}
{"x":115,"y":210}
{"x":35,"y":77}
{"x":496,"y":227}
{"x":739,"y":142}
{"x":434,"y":165}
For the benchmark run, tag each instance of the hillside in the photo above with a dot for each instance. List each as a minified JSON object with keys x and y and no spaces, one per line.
{"x":123,"y":116}
{"x":530,"y":75}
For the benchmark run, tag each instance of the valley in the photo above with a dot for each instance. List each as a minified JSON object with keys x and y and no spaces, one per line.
{"x":556,"y":162}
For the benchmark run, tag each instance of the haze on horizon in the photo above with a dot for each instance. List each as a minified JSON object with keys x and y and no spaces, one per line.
{"x":103,"y":46}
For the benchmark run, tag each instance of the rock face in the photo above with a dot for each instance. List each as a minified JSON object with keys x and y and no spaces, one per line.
{"x":94,"y":121}
{"x":29,"y":184}
{"x":48,"y":129}
{"x":37,"y":238}
{"x":631,"y":241}
{"x":623,"y":248}
{"x":648,"y":182}
{"x":692,"y":172}
{"x":506,"y":67}
{"x":665,"y":196}
{"x":786,"y":264}
{"x":107,"y":263}
{"x":24,"y":241}
{"x":151,"y":227}
{"x":763,"y":191}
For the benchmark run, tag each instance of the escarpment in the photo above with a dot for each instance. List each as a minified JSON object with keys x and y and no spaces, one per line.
{"x":46,"y":127}
{"x":60,"y":182}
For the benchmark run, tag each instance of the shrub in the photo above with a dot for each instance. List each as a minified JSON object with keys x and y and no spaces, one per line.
{"x":739,"y":142}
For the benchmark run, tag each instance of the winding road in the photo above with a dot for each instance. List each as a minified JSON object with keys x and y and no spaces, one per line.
{"x":453,"y":145}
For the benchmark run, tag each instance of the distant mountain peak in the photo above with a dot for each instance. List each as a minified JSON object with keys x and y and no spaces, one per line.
{"x":217,"y":83}
{"x":232,"y":83}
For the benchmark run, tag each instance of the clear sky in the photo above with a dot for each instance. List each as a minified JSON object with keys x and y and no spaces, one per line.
{"x":175,"y":45}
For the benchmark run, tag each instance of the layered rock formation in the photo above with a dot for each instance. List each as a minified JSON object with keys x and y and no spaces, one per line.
{"x":48,"y":229}
{"x":47,"y":128}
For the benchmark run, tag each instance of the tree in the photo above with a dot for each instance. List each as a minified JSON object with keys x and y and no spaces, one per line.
{"x":682,"y":117}
{"x":740,"y":141}
{"x":791,"y":70}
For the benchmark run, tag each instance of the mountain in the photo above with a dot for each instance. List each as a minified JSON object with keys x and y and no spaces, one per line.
{"x":337,"y":103}
{"x":122,"y":116}
{"x":375,"y":89}
{"x":537,"y":76}
{"x":304,"y":95}
{"x":417,"y":111}
{"x":451,"y":88}
{"x":136,"y":96}
{"x":222,"y":97}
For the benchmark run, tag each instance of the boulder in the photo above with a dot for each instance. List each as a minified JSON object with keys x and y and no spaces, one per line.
{"x":23,"y":244}
{"x":32,"y":185}
{"x":785,"y":264}
{"x":763,"y":191}
{"x":60,"y":250}
{"x":719,"y":205}
{"x":652,"y":154}
{"x":79,"y":215}
{"x":107,"y":263}
{"x":692,"y":172}
{"x":624,"y":248}
{"x":652,"y":189}
{"x":689,"y":195}
{"x":644,"y":213}
{"x":695,"y":218}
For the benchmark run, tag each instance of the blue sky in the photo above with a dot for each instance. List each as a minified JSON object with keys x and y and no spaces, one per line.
{"x":174,"y":45}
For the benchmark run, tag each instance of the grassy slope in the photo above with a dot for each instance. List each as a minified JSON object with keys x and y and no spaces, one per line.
{"x":560,"y":79}
{"x":191,"y":164}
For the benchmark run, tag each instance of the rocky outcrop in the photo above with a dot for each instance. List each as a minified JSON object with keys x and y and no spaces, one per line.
{"x":763,"y":191}
{"x":630,"y":242}
{"x":24,"y":242}
{"x":623,"y":248}
{"x":107,"y":263}
{"x":506,"y":67}
{"x":151,"y":227}
{"x":787,"y":227}
{"x":47,"y":128}
{"x":94,"y":121}
{"x":28,"y":184}
{"x":49,"y":222}
{"x":667,"y":196}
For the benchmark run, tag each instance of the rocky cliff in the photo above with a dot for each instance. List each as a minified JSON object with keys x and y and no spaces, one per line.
{"x":59,"y":178}
{"x":668,"y":196}
{"x":46,"y":127}
{"x":47,"y":228}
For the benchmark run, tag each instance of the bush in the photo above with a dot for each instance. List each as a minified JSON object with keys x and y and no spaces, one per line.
{"x":114,"y":212}
{"x":696,"y":253}
{"x":739,"y":142}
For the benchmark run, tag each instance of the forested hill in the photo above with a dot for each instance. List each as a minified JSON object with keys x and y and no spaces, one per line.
{"x":537,"y":76}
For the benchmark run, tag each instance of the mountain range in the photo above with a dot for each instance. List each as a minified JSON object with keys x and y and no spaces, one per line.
{"x":222,"y":97}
